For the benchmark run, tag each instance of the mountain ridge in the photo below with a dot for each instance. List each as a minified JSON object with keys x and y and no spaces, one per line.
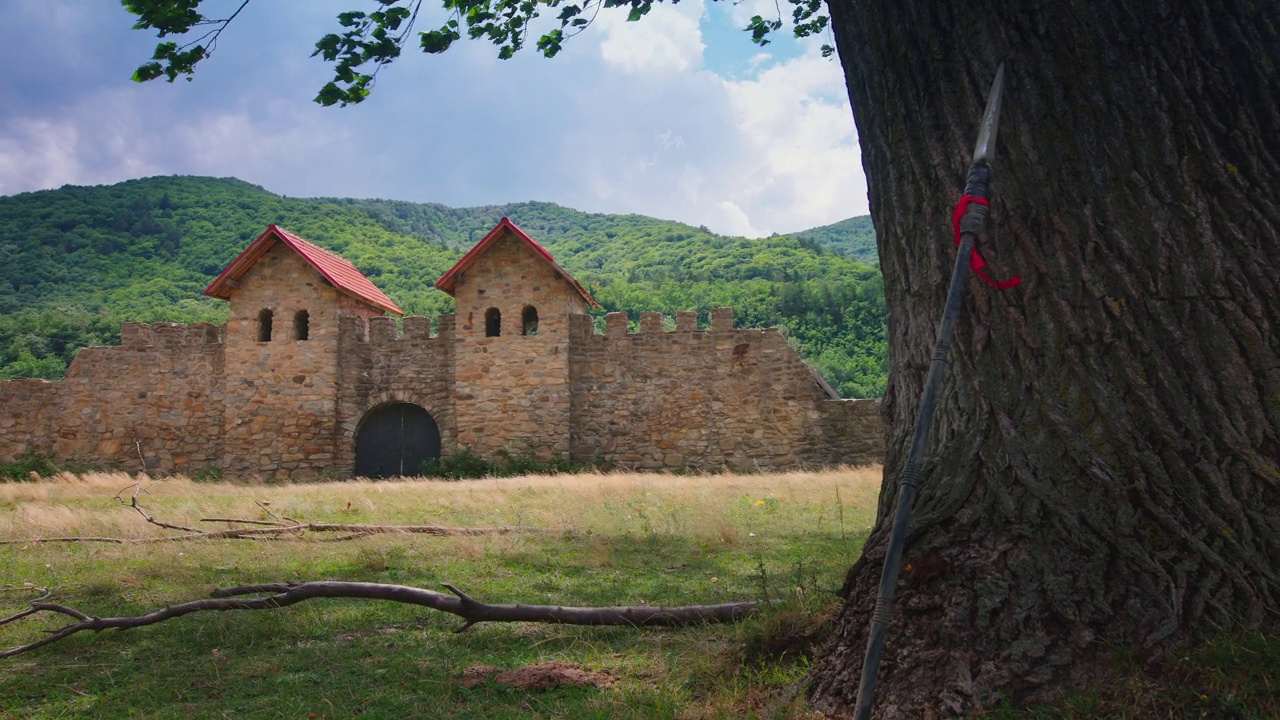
{"x":76,"y":261}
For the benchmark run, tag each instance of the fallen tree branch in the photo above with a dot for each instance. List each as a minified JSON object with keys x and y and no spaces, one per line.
{"x":133,"y":503}
{"x":292,"y":531}
{"x":409,"y":529}
{"x":472,"y":611}
{"x":76,"y":538}
{"x":278,"y":529}
{"x":267,"y":523}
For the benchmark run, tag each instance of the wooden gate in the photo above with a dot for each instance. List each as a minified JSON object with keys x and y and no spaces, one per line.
{"x":395,"y":440}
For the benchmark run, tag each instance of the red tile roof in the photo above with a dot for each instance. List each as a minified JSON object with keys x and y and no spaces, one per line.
{"x":449,"y":281}
{"x":337,"y":270}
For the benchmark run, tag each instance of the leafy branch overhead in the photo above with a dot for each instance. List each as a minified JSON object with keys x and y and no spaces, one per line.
{"x":368,"y":41}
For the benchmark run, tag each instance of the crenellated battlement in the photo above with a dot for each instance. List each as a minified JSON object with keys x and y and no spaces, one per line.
{"x":167,"y":345}
{"x":381,"y":332}
{"x":617,"y":324}
{"x":143,"y":336}
{"x":717,"y":350}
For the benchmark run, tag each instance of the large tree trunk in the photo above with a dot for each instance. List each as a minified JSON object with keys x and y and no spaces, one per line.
{"x":1104,"y":461}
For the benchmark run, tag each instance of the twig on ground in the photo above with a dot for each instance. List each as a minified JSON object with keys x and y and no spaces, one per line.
{"x":270,"y":523}
{"x":133,"y":503}
{"x":282,"y":528}
{"x":283,"y":520}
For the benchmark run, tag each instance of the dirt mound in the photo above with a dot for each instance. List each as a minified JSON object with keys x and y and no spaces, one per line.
{"x":543,"y":676}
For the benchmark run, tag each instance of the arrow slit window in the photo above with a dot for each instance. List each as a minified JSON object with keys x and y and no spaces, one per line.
{"x":492,"y":322}
{"x":264,"y":325}
{"x":529,"y":320}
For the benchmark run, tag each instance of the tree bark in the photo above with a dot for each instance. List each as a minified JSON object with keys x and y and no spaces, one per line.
{"x":1103,"y":470}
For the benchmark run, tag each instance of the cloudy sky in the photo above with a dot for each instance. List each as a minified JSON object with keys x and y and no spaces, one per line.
{"x":678,"y":116}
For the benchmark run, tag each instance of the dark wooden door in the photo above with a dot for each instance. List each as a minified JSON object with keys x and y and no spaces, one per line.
{"x":395,"y":440}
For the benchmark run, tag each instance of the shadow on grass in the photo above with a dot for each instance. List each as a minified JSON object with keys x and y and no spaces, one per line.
{"x":350,"y":658}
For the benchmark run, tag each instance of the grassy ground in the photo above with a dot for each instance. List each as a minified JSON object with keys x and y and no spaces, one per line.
{"x":619,"y":539}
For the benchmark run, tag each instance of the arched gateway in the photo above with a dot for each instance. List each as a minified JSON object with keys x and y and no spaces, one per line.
{"x":395,"y":439}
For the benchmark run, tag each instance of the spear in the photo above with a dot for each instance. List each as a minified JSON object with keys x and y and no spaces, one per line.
{"x":970,"y":217}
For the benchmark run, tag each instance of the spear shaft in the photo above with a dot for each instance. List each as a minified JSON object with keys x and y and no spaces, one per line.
{"x":976,"y":186}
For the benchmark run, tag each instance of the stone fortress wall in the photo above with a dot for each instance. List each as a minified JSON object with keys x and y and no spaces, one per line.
{"x":157,"y":399}
{"x":283,"y":389}
{"x":708,"y":398}
{"x":686,"y":398}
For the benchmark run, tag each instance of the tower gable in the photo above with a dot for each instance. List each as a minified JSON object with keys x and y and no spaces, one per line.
{"x":506,"y":229}
{"x":335,"y":269}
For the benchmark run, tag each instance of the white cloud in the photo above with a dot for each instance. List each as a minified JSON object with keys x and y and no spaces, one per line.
{"x":780,"y":155}
{"x":108,"y":137}
{"x":279,"y":140}
{"x":37,"y":154}
{"x":776,"y":152}
{"x":798,"y":132}
{"x":63,"y":15}
{"x":99,"y":146}
{"x":743,"y":11}
{"x":691,"y":182}
{"x":731,"y":220}
{"x":670,"y":141}
{"x":667,"y":41}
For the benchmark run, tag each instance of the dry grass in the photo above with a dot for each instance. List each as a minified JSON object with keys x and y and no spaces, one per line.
{"x":619,"y":539}
{"x":724,"y":508}
{"x":626,"y":539}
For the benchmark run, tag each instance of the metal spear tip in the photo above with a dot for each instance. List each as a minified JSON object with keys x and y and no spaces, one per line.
{"x":985,"y":150}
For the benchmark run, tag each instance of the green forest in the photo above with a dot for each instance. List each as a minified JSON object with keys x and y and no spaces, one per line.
{"x":77,"y":261}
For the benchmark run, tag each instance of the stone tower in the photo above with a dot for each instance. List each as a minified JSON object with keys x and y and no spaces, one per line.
{"x":512,"y":385}
{"x":281,"y":351}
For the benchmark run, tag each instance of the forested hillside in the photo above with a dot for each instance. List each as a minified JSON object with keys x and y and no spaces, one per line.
{"x":854,"y":238}
{"x":76,"y":262}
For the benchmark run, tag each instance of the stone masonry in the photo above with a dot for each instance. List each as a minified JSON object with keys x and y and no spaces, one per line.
{"x":287,"y":387}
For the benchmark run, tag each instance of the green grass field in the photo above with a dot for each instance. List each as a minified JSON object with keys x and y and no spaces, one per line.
{"x":603,"y":540}
{"x":614,"y":540}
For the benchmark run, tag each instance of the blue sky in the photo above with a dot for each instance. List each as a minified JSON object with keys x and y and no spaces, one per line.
{"x":678,"y":116}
